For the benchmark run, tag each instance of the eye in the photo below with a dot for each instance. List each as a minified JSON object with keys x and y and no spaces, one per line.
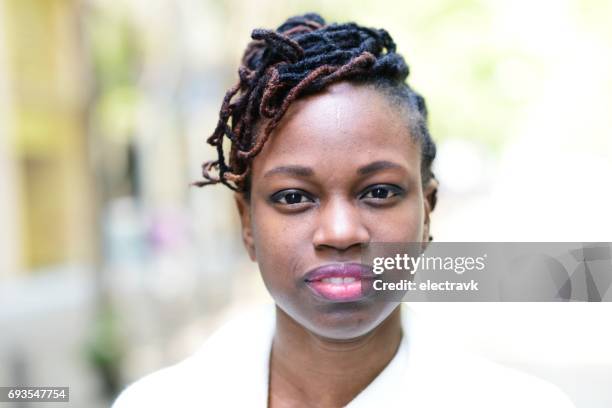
{"x":291,"y":197}
{"x":382,"y":192}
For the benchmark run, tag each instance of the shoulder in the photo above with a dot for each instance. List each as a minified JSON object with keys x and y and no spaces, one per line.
{"x":159,"y":389}
{"x":509,"y":387}
{"x":462,"y":379}
{"x":447,"y":373}
{"x":210,"y":373}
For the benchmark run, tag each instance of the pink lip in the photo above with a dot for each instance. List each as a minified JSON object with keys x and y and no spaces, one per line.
{"x":324,"y":281}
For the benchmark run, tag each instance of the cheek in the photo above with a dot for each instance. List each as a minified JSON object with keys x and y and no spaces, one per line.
{"x":403,"y":223}
{"x":278,"y":241}
{"x":279,"y":234}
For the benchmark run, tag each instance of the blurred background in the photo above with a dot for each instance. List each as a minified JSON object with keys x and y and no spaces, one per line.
{"x":111,"y":266}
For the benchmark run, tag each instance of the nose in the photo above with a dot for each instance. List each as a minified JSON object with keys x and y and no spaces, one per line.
{"x":340,"y":226}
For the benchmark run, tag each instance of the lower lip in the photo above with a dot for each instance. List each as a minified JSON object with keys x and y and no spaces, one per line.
{"x":339,"y":291}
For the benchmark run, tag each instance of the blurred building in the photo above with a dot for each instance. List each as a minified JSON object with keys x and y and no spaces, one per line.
{"x":104,"y":247}
{"x":46,"y":177}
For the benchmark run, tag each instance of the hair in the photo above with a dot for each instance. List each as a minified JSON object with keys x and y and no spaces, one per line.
{"x":302,"y":57}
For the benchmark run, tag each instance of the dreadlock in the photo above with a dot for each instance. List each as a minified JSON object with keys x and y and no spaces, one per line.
{"x":303,"y":56}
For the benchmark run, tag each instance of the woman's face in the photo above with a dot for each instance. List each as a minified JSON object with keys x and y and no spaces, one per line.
{"x":340,"y":170}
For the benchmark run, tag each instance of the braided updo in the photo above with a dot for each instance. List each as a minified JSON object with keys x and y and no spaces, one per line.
{"x":303,"y":56}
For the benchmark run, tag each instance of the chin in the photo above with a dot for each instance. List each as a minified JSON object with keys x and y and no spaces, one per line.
{"x":344,"y":320}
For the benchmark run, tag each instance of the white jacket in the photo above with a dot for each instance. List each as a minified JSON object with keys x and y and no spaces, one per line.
{"x":231,"y":370}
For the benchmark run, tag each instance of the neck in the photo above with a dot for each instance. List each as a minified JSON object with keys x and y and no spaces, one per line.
{"x":307,"y":367}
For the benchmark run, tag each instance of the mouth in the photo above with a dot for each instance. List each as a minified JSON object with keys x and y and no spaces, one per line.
{"x":340,"y":282}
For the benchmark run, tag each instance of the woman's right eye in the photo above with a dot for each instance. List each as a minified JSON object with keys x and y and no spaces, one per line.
{"x":290,"y":197}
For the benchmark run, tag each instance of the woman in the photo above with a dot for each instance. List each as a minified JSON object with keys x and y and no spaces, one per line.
{"x":330,"y":151}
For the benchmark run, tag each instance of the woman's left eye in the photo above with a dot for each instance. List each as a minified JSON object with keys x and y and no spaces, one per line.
{"x":382,"y":192}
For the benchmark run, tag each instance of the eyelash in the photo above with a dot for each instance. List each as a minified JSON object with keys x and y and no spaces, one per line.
{"x":393,"y":189}
{"x":278,"y":196}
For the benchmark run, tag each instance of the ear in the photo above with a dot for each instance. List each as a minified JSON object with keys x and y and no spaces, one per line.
{"x":244,"y":210}
{"x":430,"y":194}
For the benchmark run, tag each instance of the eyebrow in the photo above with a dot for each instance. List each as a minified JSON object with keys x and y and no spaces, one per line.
{"x":303,"y":171}
{"x":377,"y":166}
{"x":300,"y":171}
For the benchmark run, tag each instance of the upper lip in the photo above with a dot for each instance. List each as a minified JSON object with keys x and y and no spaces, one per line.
{"x":342,"y":270}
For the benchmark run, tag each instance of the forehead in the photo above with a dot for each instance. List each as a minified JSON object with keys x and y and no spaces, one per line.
{"x":343,"y":128}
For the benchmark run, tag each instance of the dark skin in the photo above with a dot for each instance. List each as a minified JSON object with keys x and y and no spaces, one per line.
{"x":339,"y":171}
